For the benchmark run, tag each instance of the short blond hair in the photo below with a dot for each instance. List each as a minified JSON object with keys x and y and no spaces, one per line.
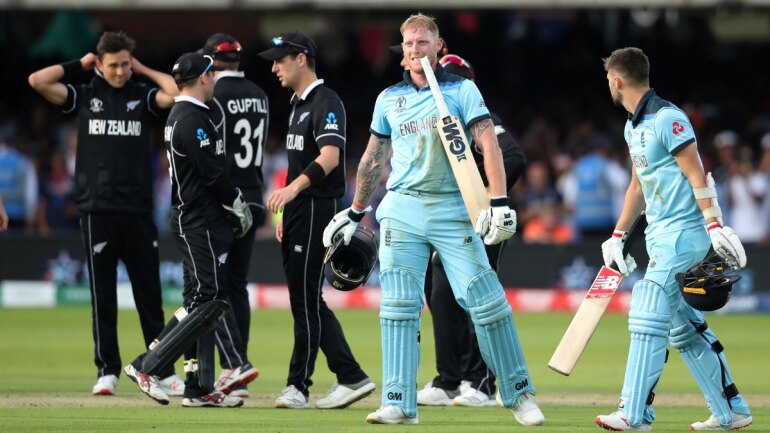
{"x":420,"y":21}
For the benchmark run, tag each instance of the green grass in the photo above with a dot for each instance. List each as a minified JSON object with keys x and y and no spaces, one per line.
{"x":46,"y":373}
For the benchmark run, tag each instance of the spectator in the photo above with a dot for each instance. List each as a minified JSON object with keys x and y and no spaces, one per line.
{"x":57,"y":209}
{"x":547,"y":227}
{"x":724,"y":144}
{"x":538,"y":190}
{"x":764,"y":169}
{"x":18,"y":187}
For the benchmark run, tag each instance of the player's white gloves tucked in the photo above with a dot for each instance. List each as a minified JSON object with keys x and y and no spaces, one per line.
{"x":242,"y":214}
{"x":727,"y":245}
{"x":497,"y":223}
{"x":343,"y":224}
{"x":612,"y":252}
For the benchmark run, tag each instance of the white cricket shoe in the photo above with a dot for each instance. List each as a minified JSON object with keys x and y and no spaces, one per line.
{"x":739,"y":421}
{"x":432,"y":396}
{"x":390,"y":415}
{"x":212,"y":399}
{"x":617,"y":421}
{"x":173,"y":386}
{"x":342,"y":396}
{"x":241,"y":391}
{"x":464,"y":385}
{"x":149,"y":385}
{"x":526,"y":412}
{"x":291,"y":398}
{"x":105,"y":385}
{"x":472,"y":397}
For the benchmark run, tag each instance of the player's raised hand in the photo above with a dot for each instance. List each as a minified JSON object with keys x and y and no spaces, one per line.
{"x":343,"y":224}
{"x":612,"y":252}
{"x":727,"y":245}
{"x":497,"y":223}
{"x":88,"y":61}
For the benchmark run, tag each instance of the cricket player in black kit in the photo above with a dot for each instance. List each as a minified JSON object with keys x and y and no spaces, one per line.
{"x":463,"y":377}
{"x":240,"y":112}
{"x":316,"y":181}
{"x":201,"y":197}
{"x":114,"y":187}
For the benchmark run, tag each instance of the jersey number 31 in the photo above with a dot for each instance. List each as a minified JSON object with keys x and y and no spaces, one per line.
{"x":244,"y":158}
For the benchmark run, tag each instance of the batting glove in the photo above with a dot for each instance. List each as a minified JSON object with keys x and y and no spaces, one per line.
{"x":612,"y":252}
{"x":727,"y":245}
{"x":497,"y":223}
{"x":242,"y":215}
{"x":343,"y":224}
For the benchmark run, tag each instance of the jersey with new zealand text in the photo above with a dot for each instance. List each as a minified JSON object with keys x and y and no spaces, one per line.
{"x":655,"y":133}
{"x":316,"y":121}
{"x":408,"y":116}
{"x":240,"y":111}
{"x":113,"y":171}
{"x":196,"y":155}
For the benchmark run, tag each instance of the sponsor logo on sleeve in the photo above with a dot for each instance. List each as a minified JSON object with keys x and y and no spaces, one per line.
{"x":331,"y":122}
{"x":202,"y":137}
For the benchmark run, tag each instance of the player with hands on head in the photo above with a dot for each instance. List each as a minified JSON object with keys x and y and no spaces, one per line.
{"x":422,"y":208}
{"x":113,"y":187}
{"x":668,"y":183}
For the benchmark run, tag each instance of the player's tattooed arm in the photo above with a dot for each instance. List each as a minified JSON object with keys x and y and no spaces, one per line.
{"x":370,"y":168}
{"x":479,"y":127}
{"x":483,"y":133}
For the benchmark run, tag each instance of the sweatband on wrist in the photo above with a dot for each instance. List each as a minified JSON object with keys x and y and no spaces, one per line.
{"x":619,"y":234}
{"x":314,"y":172}
{"x":72,"y":69}
{"x":499,"y":201}
{"x":356,"y":216}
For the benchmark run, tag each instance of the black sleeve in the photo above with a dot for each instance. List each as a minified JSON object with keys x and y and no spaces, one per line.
{"x":514,"y":160}
{"x":329,"y":122}
{"x":71,"y":103}
{"x":206,"y":150}
{"x":217,"y":113}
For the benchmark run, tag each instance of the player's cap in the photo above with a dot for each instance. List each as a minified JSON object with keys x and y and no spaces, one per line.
{"x":725,"y":138}
{"x":222,"y":46}
{"x":455,"y":64}
{"x":192,"y":65}
{"x":290,"y":43}
{"x":765,"y":141}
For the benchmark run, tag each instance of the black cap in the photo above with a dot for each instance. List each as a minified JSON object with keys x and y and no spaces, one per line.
{"x":192,"y":65}
{"x":289,"y":43}
{"x":222,"y":46}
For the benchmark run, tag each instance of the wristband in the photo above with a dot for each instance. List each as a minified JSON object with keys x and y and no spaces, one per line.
{"x":712,"y":226}
{"x":358,"y":206}
{"x":355,"y":215}
{"x":314,"y":172}
{"x":72,"y":69}
{"x":499,"y":201}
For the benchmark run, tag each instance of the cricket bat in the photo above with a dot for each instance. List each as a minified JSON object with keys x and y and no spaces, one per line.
{"x":591,"y":310}
{"x":457,"y":149}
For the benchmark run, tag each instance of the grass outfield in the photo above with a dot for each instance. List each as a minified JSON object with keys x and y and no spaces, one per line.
{"x":46,"y":373}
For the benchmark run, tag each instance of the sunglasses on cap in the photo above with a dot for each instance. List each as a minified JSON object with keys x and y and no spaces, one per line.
{"x":279,"y":42}
{"x":228,"y":47}
{"x":211,"y":63}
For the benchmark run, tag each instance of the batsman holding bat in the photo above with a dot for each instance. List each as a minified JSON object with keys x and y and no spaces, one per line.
{"x":669,"y":183}
{"x":423,"y":208}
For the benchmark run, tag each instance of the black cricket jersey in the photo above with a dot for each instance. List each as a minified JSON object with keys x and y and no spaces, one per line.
{"x":317,"y":119}
{"x":196,"y":154}
{"x":112,"y":169}
{"x":513,"y":157}
{"x":240,"y":112}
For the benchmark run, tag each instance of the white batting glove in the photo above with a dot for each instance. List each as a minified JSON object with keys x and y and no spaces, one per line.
{"x":343,"y":224}
{"x":496,"y":223}
{"x":242,"y":214}
{"x":612,"y":252}
{"x":727,"y":245}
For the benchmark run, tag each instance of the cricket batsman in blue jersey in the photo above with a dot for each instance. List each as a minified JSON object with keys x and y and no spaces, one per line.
{"x":684,"y":220}
{"x":423,"y":208}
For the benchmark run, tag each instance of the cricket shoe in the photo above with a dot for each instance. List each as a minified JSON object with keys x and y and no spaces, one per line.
{"x":472,"y":397}
{"x":105,"y":385}
{"x":432,"y":396}
{"x":291,"y":398}
{"x":739,"y":421}
{"x":233,"y":378}
{"x":526,"y":412}
{"x":149,"y":385}
{"x":173,"y":386}
{"x":241,"y":391}
{"x":617,"y":421}
{"x":391,"y":415}
{"x":342,"y":396}
{"x":212,"y":399}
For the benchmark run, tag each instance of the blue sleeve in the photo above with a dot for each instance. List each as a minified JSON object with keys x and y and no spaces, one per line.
{"x":472,"y":107}
{"x":380,"y":126}
{"x":674,"y":130}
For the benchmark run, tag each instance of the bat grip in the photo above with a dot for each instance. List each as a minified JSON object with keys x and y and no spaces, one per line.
{"x":640,"y":224}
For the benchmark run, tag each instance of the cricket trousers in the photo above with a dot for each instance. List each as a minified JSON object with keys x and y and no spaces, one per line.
{"x":132,"y":238}
{"x":458,"y":356}
{"x":315,"y":325}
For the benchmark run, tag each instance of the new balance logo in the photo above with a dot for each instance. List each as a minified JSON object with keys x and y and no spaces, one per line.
{"x":99,"y":247}
{"x":468,"y":240}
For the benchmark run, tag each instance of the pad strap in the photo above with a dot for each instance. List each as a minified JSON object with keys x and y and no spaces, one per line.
{"x":191,"y":366}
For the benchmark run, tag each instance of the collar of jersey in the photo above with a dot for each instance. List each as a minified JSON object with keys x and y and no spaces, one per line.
{"x":225,"y":74}
{"x":640,"y":108}
{"x":439,"y":72}
{"x":190,"y":99}
{"x":307,"y":91}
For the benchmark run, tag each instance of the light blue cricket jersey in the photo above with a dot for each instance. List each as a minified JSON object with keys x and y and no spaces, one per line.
{"x":408,"y":116}
{"x":655,"y":133}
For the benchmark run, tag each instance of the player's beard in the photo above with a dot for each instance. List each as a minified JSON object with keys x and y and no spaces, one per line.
{"x":617,"y":99}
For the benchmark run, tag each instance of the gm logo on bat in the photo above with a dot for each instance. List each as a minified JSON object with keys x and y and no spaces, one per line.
{"x":453,"y":137}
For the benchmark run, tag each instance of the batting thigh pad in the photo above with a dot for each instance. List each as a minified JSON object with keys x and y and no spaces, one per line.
{"x":400,"y":308}
{"x":201,"y":321}
{"x":497,"y":337}
{"x":649,"y":320}
{"x":704,"y":356}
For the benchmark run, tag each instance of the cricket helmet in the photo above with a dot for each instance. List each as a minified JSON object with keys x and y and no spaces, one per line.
{"x":706,"y":286}
{"x":348,"y":266}
{"x":455,"y":64}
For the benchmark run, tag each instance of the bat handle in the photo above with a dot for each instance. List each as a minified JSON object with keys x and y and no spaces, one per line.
{"x":427,"y":68}
{"x":640,"y":224}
